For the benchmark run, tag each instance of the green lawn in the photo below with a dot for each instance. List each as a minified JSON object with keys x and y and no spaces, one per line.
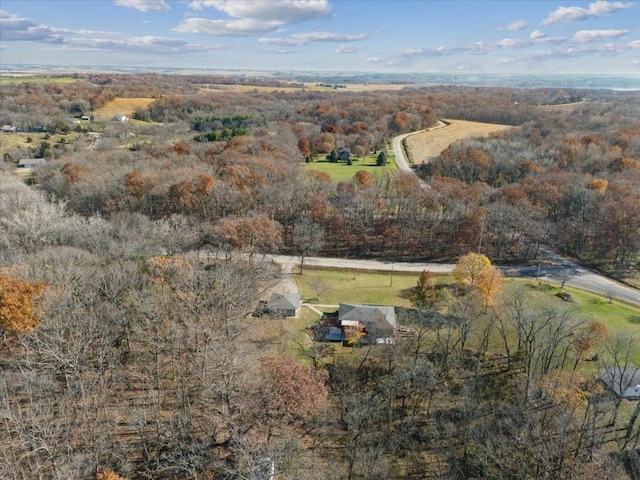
{"x":38,"y":79}
{"x":618,"y":317}
{"x":358,"y":287}
{"x":341,"y":171}
{"x":384,"y":289}
{"x":387,"y":289}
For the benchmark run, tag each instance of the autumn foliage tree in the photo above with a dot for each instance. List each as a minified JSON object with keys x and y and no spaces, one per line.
{"x":108,"y":474}
{"x":17,"y":309}
{"x":425,"y":291}
{"x":474,"y":272}
{"x":293,"y":392}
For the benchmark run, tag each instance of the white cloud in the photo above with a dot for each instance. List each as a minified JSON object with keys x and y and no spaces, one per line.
{"x":143,"y":45}
{"x":583,"y":36}
{"x":515,"y":26}
{"x":634,"y":45}
{"x":347,"y":49}
{"x":513,"y":43}
{"x":537,"y":35}
{"x":285,"y":12}
{"x":600,"y":8}
{"x":304,"y":38}
{"x":229,"y":28}
{"x":144,"y":5}
{"x":15,"y":28}
{"x":253,"y":17}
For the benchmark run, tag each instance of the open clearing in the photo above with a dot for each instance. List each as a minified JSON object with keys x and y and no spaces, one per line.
{"x":308,"y":86}
{"x":336,"y":286}
{"x":423,"y":146}
{"x":340,"y":171}
{"x":26,"y":78}
{"x":120,"y":105}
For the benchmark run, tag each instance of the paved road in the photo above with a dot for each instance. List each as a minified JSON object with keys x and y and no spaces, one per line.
{"x":357,"y":264}
{"x":560,"y":269}
{"x":398,"y":151}
{"x":563,"y":269}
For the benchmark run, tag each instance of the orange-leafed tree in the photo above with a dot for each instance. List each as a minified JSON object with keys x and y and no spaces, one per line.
{"x":364,"y":179}
{"x":304,"y":145}
{"x":354,"y":334}
{"x":292,"y":392}
{"x":474,"y":272}
{"x":489,"y":285}
{"x":17,"y":305}
{"x":108,"y":474}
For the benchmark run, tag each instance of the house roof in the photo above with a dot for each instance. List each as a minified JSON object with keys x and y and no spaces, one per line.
{"x":31,"y":162}
{"x":284,"y":301}
{"x":624,"y":382}
{"x":380,"y":315}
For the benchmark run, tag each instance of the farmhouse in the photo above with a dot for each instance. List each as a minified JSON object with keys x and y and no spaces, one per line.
{"x":377,"y":323}
{"x":344,"y":154}
{"x":624,"y":382}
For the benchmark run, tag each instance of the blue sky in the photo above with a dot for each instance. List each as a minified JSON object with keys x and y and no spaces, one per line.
{"x":472,"y":36}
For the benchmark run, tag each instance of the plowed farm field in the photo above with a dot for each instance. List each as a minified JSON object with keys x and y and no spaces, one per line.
{"x":423,"y":146}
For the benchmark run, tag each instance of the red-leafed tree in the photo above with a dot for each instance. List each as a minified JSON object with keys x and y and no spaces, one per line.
{"x":292,"y":392}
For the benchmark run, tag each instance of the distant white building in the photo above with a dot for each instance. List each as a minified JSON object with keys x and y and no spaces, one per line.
{"x":120,"y":118}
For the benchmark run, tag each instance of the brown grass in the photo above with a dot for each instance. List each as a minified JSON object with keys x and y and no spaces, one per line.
{"x":310,"y":86}
{"x":124,"y":106}
{"x":423,"y":146}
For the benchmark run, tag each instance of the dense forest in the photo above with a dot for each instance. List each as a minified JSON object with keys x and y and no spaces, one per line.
{"x":124,"y":355}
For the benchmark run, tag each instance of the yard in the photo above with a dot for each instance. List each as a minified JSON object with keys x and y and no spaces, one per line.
{"x":387,"y":288}
{"x":340,"y":171}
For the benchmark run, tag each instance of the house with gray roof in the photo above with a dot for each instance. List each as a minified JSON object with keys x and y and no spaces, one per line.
{"x":284,"y":304}
{"x":378,"y":323}
{"x":624,"y":382}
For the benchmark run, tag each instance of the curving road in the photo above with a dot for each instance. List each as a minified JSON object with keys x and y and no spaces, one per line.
{"x":561,"y":269}
{"x":555,"y":269}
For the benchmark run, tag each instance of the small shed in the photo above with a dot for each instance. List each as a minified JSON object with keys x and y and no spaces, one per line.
{"x":31,"y":162}
{"x":284,"y":304}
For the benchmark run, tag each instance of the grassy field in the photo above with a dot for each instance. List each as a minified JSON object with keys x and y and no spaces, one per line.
{"x":341,"y":171}
{"x":360,"y":287}
{"x":308,"y":86}
{"x":10,"y":141}
{"x":37,"y":79}
{"x":120,"y":105}
{"x":423,"y":146}
{"x":396,"y":289}
{"x":278,"y":336}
